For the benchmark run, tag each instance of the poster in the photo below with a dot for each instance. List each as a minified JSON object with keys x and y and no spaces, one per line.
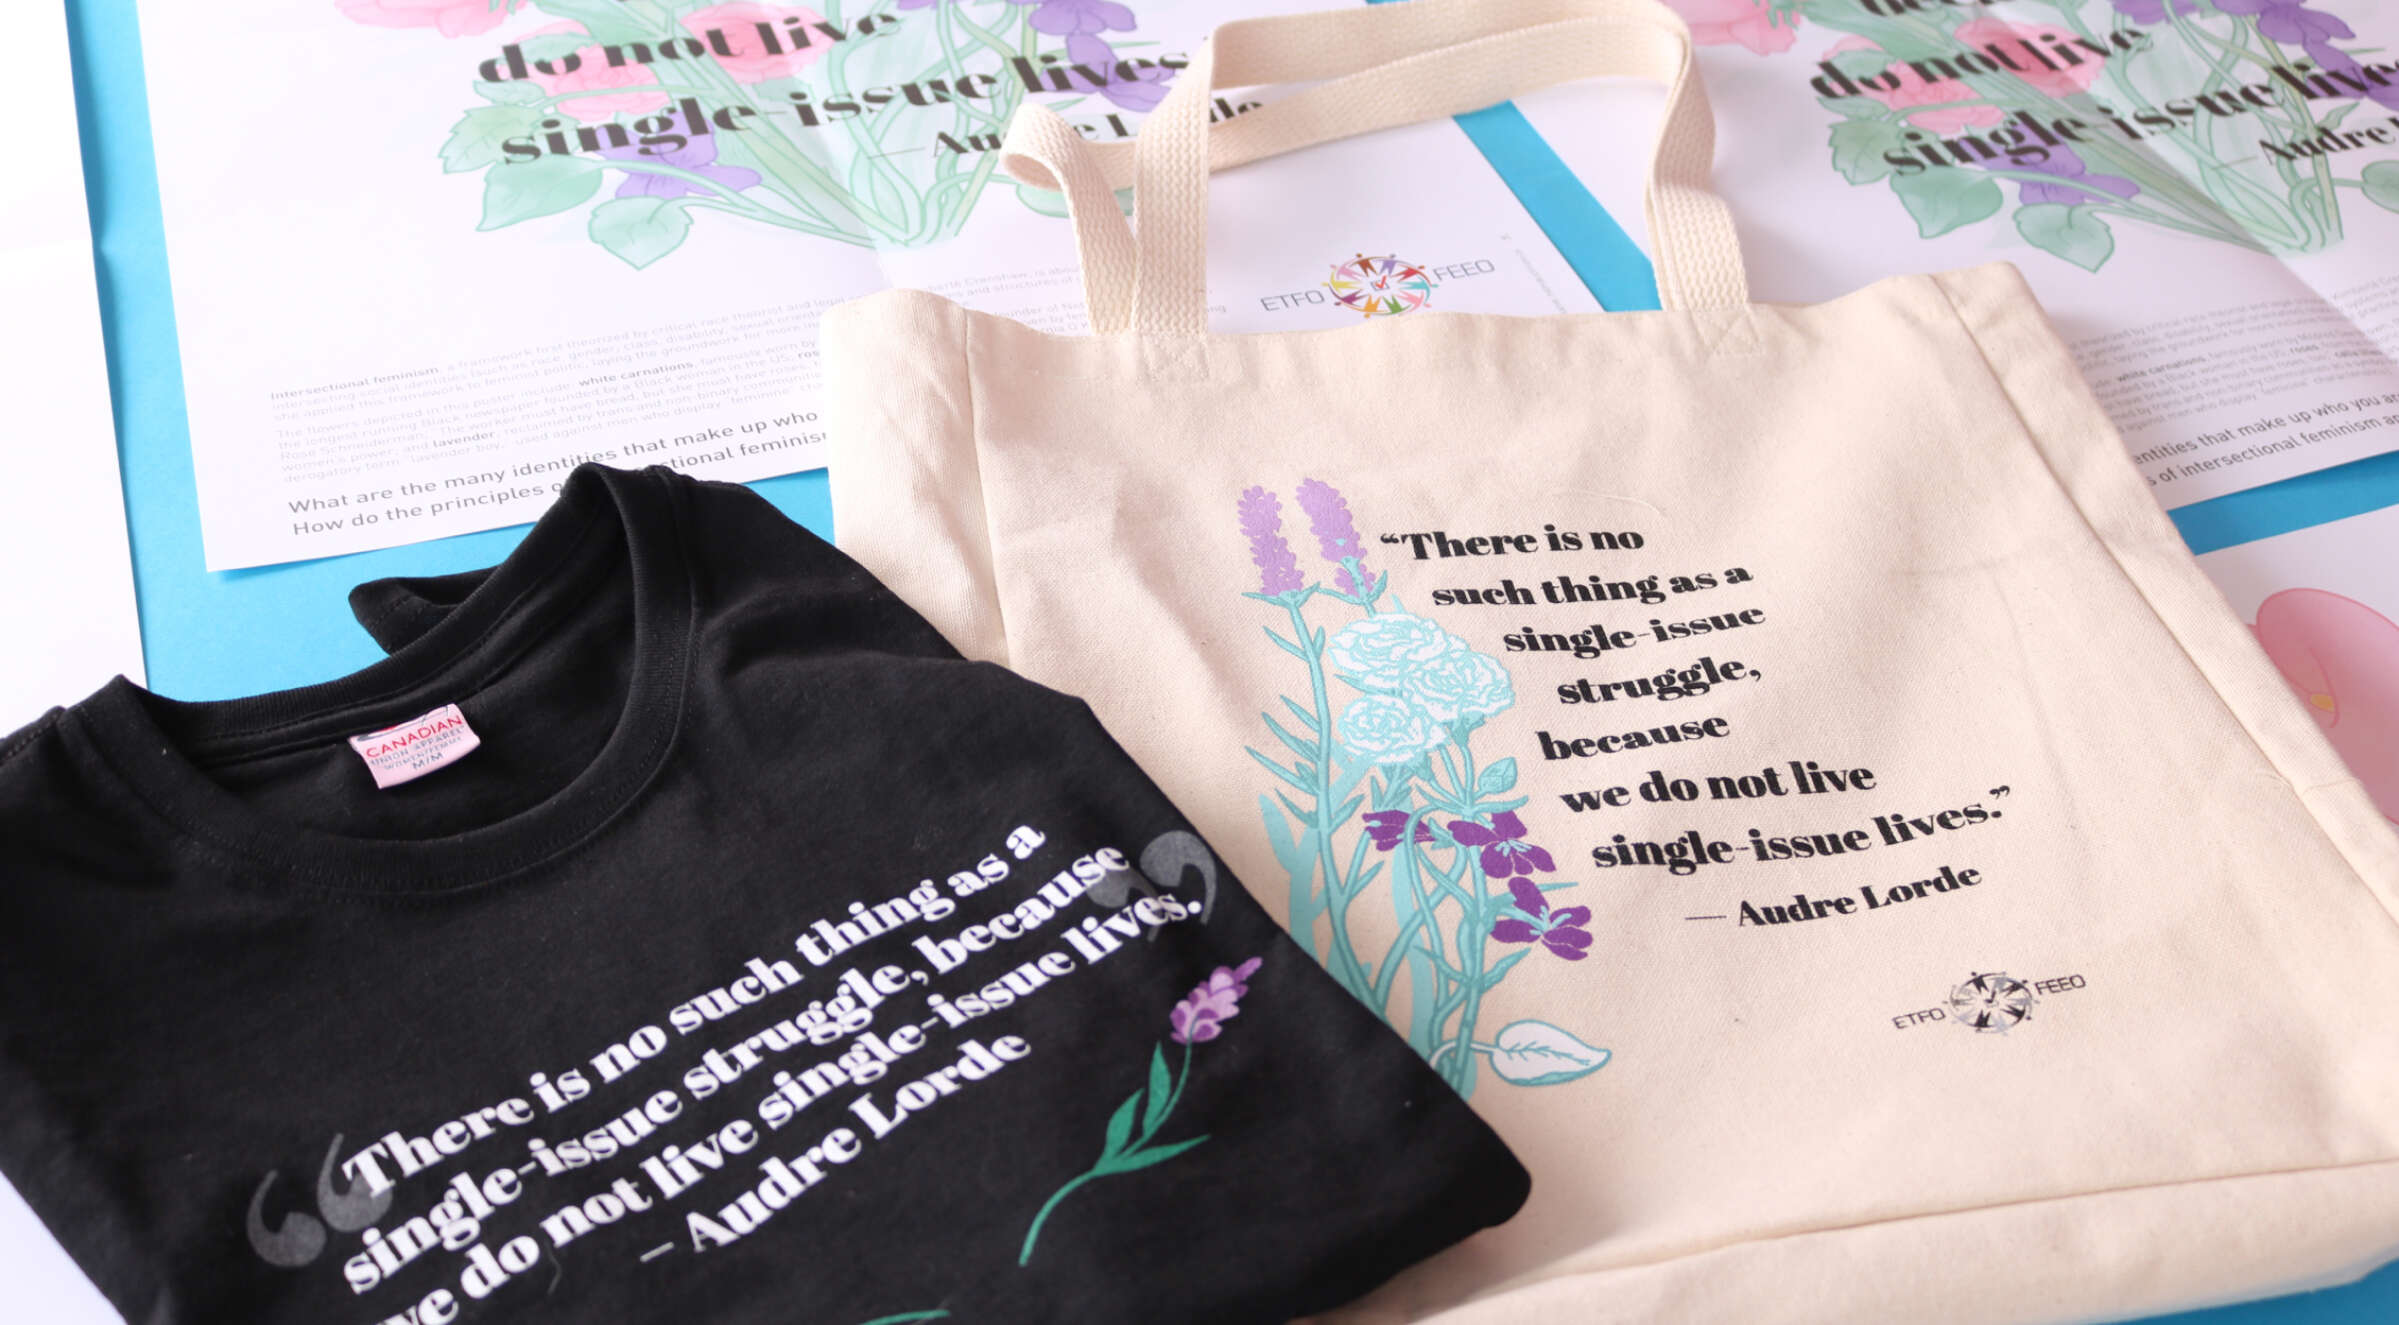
{"x":61,"y":506}
{"x":2324,"y":602}
{"x":429,"y":255}
{"x":2203,"y":193}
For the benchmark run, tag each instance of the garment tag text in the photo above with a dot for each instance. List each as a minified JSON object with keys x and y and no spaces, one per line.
{"x":410,"y":750}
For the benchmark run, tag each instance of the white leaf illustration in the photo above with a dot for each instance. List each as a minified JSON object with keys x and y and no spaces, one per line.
{"x":1535,"y":1053}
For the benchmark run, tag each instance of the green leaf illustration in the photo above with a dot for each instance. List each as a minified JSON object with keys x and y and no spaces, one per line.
{"x":2077,"y":234}
{"x":520,"y":191}
{"x":2382,"y":183}
{"x":1861,"y":65}
{"x":475,"y":140}
{"x":553,"y":46}
{"x":512,"y":93}
{"x":640,"y":230}
{"x":1496,"y":778}
{"x":1942,"y":200}
{"x":1304,"y":749}
{"x":1858,"y":147}
{"x":1161,"y":1093}
{"x":1298,"y":854}
{"x":1535,"y":1053}
{"x":1142,"y":1159}
{"x":1120,"y":1127}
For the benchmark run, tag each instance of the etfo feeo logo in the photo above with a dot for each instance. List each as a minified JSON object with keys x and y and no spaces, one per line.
{"x":1990,"y":1002}
{"x":1380,"y":287}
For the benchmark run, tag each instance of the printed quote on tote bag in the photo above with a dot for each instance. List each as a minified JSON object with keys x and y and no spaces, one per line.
{"x":1777,"y":761}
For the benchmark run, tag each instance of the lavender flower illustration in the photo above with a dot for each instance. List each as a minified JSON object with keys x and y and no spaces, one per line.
{"x":1262,"y":524}
{"x":1128,"y":1144}
{"x":1336,"y":532}
{"x":1364,"y":776}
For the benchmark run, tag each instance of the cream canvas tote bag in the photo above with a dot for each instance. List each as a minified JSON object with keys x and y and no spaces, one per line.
{"x":1777,"y":762}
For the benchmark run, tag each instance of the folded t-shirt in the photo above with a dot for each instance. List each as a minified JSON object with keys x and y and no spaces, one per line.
{"x":675,"y":928}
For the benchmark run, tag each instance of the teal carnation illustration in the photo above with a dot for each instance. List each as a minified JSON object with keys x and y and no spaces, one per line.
{"x":1379,"y":793}
{"x":1378,"y":652}
{"x":1385,"y":730}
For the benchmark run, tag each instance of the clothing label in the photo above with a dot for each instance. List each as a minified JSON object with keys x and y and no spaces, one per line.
{"x":414,"y":748}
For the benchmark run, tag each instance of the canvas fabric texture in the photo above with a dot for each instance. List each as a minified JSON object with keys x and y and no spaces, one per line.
{"x":1778,"y":761}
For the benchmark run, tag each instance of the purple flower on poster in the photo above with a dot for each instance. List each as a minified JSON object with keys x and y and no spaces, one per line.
{"x":1383,"y":827}
{"x":1561,"y":931}
{"x":1135,"y":88}
{"x":1505,"y":852}
{"x":2313,"y":31}
{"x":1335,"y":529}
{"x":2152,"y":11}
{"x":2076,"y":184}
{"x":1066,"y":18}
{"x":697,"y":155}
{"x":1201,"y":1015}
{"x":1262,"y":523}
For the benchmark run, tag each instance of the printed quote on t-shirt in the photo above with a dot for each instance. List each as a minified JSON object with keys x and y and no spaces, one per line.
{"x":891,"y":1008}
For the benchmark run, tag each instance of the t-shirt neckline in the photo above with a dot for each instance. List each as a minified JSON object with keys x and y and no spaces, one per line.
{"x":150,"y":741}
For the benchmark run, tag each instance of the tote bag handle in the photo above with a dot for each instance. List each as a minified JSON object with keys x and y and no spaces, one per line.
{"x":1387,"y":65}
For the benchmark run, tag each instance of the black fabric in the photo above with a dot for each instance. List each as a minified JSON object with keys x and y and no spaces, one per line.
{"x":230,"y":966}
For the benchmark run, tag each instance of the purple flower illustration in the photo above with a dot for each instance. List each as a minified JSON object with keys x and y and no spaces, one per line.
{"x":1065,"y":18}
{"x":1262,"y":523}
{"x":1336,"y":531}
{"x":1385,"y":826}
{"x":2076,"y":184}
{"x":1140,"y":93}
{"x":2152,"y":11}
{"x":698,"y":155}
{"x":2313,"y":31}
{"x":1505,"y":852}
{"x":1561,"y":931}
{"x":2289,"y":20}
{"x":1200,"y":1017}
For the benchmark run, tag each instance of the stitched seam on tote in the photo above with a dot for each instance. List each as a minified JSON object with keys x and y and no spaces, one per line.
{"x":1952,"y":1212}
{"x":974,"y":446}
{"x":2388,"y":906}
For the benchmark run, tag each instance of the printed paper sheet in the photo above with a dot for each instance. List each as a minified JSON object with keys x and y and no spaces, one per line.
{"x":430,"y":254}
{"x":2204,"y":193}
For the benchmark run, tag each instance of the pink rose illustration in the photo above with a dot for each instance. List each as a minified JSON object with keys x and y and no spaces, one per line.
{"x":1934,"y":94}
{"x":1750,"y":23}
{"x":2342,"y":658}
{"x":455,"y":18}
{"x":593,"y":90}
{"x":2030,"y":51}
{"x":752,"y":60}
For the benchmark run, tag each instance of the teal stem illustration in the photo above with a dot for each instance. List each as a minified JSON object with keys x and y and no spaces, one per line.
{"x":1381,"y":789}
{"x":1130,"y":1143}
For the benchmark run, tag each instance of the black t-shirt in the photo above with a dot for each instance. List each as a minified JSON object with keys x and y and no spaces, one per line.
{"x":725,"y":949}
